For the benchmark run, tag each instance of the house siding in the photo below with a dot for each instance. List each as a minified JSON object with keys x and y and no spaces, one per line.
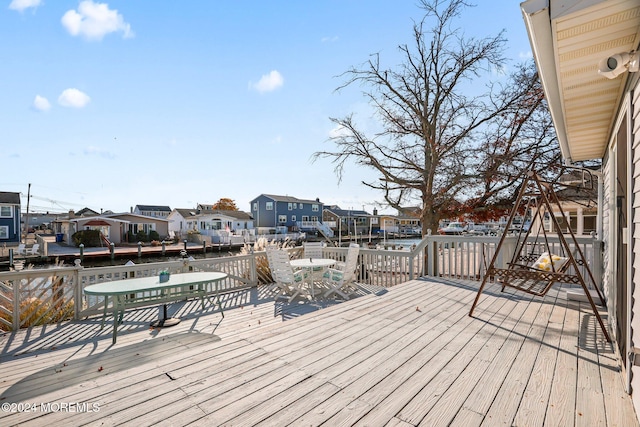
{"x":264,"y":218}
{"x":607,"y":226}
{"x":11,"y":224}
{"x":635,"y":248}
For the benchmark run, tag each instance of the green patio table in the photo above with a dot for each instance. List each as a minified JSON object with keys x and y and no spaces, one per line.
{"x":149,"y":289}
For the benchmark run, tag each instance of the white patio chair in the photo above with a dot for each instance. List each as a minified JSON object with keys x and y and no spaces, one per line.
{"x":341,"y":264}
{"x":21,"y":249}
{"x":342,"y":282}
{"x":33,"y":250}
{"x":312,"y":249}
{"x":287,"y":281}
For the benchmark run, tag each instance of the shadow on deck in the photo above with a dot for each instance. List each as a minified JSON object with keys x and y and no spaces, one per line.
{"x":407,"y":355}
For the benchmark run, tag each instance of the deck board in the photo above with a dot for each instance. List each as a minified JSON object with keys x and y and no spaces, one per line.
{"x":408,"y":355}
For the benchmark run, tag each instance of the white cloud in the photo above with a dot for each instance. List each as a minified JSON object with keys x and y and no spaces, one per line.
{"x":268,"y":82}
{"x":73,"y":98}
{"x":339,"y":132}
{"x":95,"y":20}
{"x":97,"y":151}
{"x":331,"y":39}
{"x":41,"y":103}
{"x":526,"y":55}
{"x":21,"y":5}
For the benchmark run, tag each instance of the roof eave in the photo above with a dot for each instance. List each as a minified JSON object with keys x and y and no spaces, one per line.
{"x":538,"y":24}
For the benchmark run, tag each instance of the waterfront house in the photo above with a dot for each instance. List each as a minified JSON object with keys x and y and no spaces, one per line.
{"x":152,"y":210}
{"x":65,"y":225}
{"x":112,"y":229}
{"x":388,"y":224}
{"x":586,"y":53}
{"x":350,"y":221}
{"x":408,"y":220}
{"x":40,"y":220}
{"x":9,"y":217}
{"x":223,"y":226}
{"x":136,"y":223}
{"x":181,"y":220}
{"x":580,"y":206}
{"x":282,"y":213}
{"x":83,"y":212}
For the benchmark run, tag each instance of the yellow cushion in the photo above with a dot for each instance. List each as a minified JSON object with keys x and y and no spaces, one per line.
{"x":544,"y":262}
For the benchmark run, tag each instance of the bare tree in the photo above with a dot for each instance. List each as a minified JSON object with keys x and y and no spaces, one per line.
{"x":522,"y":137}
{"x":435,"y":148}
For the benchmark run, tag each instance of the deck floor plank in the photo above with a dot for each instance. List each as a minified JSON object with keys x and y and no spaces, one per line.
{"x":390,"y":396}
{"x":416,"y":412}
{"x":535,"y":398}
{"x":529,"y":339}
{"x":407,"y":355}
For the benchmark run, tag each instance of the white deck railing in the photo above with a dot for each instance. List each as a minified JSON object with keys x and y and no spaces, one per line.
{"x":40,"y":296}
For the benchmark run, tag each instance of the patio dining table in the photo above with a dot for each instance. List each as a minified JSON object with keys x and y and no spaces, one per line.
{"x":315,"y":266}
{"x":148,"y":290}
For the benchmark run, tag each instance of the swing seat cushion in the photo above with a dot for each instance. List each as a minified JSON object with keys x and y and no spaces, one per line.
{"x":551,"y":262}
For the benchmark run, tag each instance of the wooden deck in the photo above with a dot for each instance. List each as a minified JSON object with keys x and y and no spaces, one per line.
{"x":405,"y":356}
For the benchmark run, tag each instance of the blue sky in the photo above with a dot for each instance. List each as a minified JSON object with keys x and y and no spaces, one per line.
{"x":109,"y":105}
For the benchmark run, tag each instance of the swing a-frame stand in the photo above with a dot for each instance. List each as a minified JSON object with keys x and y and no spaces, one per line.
{"x":547,"y":268}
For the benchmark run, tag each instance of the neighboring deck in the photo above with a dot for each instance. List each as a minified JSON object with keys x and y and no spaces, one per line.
{"x":409,"y":355}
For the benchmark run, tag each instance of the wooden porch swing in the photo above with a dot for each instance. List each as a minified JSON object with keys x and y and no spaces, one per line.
{"x":534,"y":268}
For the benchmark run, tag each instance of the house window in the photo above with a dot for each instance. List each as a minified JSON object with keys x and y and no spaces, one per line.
{"x":268,"y":206}
{"x":293,"y":218}
{"x":295,"y":206}
{"x":300,"y":206}
{"x":6,"y":212}
{"x":255,"y":206}
{"x":305,"y":217}
{"x":314,"y":208}
{"x":314,"y":218}
{"x":4,"y":232}
{"x":290,"y":206}
{"x":282,"y":219}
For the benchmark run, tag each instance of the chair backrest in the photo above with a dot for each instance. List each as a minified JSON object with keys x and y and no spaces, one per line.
{"x":351,"y":262}
{"x":270,"y":251}
{"x":281,"y":269}
{"x":312,"y":249}
{"x":35,"y":248}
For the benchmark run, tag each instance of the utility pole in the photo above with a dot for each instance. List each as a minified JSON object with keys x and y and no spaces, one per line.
{"x":26,"y":219}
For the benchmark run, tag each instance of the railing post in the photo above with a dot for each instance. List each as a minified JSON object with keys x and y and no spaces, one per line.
{"x":596,"y":256}
{"x":412,"y":274}
{"x":16,"y":304}
{"x":77,"y":292}
{"x":112,"y":250}
{"x":253,"y":269}
{"x":431,"y":256}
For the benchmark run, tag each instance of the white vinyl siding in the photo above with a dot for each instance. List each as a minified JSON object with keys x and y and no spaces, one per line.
{"x":635,"y":244}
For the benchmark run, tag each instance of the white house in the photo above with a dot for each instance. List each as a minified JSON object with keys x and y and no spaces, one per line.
{"x":585,"y":51}
{"x":152,"y":210}
{"x":181,"y":220}
{"x":216,"y":226}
